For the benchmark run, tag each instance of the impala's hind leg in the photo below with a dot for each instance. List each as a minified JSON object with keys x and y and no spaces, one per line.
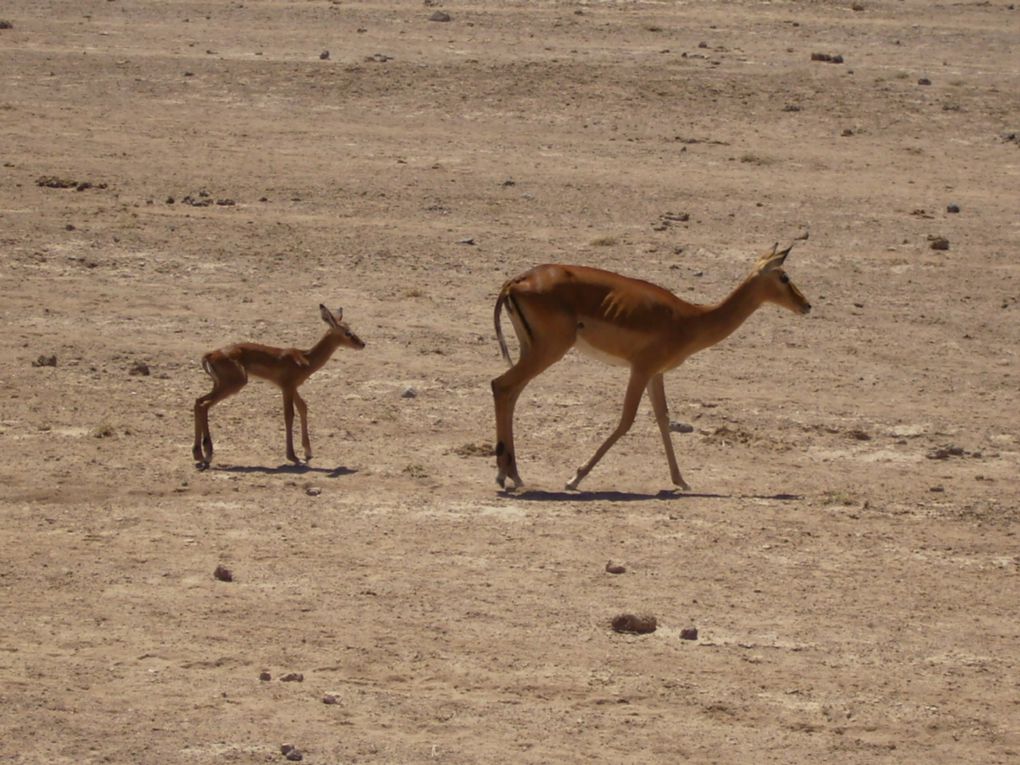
{"x":228,"y":378}
{"x":545,"y":337}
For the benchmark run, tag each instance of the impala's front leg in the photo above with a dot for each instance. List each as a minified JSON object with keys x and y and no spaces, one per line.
{"x":657,"y":395}
{"x":635,"y":387}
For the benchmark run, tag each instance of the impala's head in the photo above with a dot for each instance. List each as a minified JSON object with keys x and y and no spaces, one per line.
{"x":339,"y":329}
{"x":775,"y":282}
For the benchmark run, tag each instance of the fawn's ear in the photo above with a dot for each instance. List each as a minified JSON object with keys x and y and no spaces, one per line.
{"x":327,"y":315}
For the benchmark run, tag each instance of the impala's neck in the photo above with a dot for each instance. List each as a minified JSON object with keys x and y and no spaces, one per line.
{"x":720,"y":321}
{"x":322,"y":350}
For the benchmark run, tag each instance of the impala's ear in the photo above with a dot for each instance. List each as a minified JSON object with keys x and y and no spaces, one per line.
{"x":770,"y":259}
{"x":774,"y":258}
{"x":327,"y":316}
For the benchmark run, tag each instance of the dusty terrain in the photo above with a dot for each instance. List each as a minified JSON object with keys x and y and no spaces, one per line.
{"x":848,"y":553}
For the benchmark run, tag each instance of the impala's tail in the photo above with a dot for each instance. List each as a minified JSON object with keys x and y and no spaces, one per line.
{"x":504,"y":297}
{"x":507,"y":299}
{"x":207,"y":367}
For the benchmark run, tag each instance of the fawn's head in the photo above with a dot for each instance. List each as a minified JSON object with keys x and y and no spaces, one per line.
{"x":339,"y":329}
{"x":775,"y":283}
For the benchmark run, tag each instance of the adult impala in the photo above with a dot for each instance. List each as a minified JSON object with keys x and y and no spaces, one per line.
{"x":622,"y":321}
{"x":286,"y":368}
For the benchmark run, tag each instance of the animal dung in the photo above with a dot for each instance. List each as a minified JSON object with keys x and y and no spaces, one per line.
{"x":634,"y":623}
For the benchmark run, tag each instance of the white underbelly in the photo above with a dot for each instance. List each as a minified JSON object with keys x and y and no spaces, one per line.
{"x":596,"y":353}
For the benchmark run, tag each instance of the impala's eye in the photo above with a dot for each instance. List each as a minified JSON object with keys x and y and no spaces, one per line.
{"x":784,"y":279}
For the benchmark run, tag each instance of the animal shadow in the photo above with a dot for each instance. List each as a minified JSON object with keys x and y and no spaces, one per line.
{"x":284,"y":469}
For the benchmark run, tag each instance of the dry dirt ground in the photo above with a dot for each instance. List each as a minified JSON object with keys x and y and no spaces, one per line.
{"x":849,"y":551}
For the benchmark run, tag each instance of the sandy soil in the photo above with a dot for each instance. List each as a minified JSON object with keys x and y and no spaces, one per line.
{"x":848,"y":554}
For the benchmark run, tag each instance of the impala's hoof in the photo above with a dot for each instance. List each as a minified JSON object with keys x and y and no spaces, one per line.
{"x":201,"y":465}
{"x":573,"y":482}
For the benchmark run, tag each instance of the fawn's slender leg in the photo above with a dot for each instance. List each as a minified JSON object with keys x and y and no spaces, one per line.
{"x":302,"y":409}
{"x":228,"y":379}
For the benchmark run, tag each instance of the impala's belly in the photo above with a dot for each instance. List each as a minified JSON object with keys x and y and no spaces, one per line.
{"x":599,"y":353}
{"x":609,"y":342}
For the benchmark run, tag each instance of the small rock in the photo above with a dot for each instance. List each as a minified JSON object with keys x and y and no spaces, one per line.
{"x":952,"y":208}
{"x":827,"y":58}
{"x":223,"y":573}
{"x":140,"y":369}
{"x":680,"y":427}
{"x":466,"y":240}
{"x":264,"y":676}
{"x":293,"y":677}
{"x":615,"y":568}
{"x":291,"y":752}
{"x":924,"y":81}
{"x":860,"y":435}
{"x":939,"y":242}
{"x":6,"y":24}
{"x":329,"y":698}
{"x":324,"y":56}
{"x":409,"y":393}
{"x":170,"y":200}
{"x":45,"y":361}
{"x":689,"y":633}
{"x":640,"y":625}
{"x":440,"y":16}
{"x":313,"y":491}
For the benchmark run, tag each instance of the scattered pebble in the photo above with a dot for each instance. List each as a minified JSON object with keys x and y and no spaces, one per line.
{"x":860,"y":435}
{"x":952,"y":208}
{"x":329,"y":698}
{"x":140,"y":369}
{"x":223,"y":573}
{"x":640,"y":625}
{"x":827,"y":58}
{"x":467,"y":240}
{"x":4,"y":24}
{"x":681,"y":427}
{"x":939,"y":242}
{"x":291,"y":752}
{"x":409,"y":393}
{"x":293,"y":677}
{"x":615,"y":568}
{"x":264,"y":676}
{"x":313,"y":491}
{"x":945,"y":452}
{"x":45,"y":361}
{"x":324,"y":56}
{"x":924,"y":81}
{"x":689,"y":633}
{"x":440,"y":16}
